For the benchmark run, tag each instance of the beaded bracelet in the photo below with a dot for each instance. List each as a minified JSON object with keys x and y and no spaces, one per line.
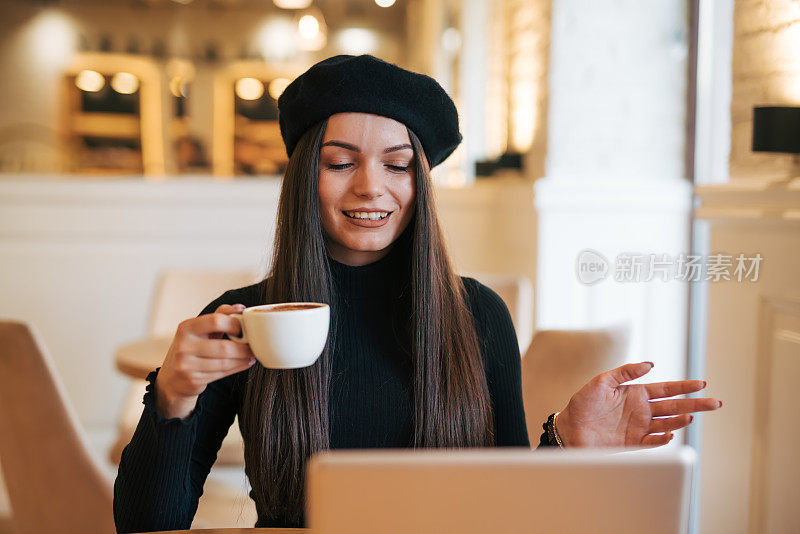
{"x":552,"y":433}
{"x":555,"y":431}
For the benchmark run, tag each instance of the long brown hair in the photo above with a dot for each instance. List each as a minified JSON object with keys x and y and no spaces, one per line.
{"x":285,"y":414}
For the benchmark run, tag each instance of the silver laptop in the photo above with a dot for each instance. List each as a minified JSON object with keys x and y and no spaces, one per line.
{"x":500,"y":490}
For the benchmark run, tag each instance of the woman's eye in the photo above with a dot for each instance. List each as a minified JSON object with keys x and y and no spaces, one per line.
{"x":343,"y":166}
{"x":398,"y":168}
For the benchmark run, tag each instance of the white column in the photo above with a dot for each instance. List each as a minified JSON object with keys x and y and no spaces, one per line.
{"x":714,"y":86}
{"x":615,"y":171}
{"x":472,"y":71}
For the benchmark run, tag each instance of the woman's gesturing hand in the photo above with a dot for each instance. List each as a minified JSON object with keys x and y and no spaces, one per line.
{"x":607,"y":413}
{"x":198,"y":356}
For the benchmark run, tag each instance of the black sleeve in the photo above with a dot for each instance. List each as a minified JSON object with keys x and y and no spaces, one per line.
{"x":500,"y":349}
{"x":163,"y":468}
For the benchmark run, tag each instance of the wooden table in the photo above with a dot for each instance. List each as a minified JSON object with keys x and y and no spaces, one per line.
{"x":138,"y":358}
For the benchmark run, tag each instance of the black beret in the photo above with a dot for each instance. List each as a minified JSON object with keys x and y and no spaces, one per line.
{"x":366,"y":84}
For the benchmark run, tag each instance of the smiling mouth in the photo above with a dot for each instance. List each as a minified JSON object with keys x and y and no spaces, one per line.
{"x":362,"y":216}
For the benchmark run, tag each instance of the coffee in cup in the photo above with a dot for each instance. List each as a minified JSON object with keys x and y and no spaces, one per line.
{"x":288,"y":307}
{"x":288,"y":335}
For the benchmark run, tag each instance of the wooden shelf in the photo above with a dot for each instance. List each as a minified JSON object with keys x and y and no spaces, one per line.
{"x":262,"y":132}
{"x":111,"y":125}
{"x":100,"y":172}
{"x":113,"y":142}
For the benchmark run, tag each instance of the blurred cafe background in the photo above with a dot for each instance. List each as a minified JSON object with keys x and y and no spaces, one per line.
{"x":140,"y":167}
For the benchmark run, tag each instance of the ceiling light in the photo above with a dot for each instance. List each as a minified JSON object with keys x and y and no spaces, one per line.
{"x":90,"y":81}
{"x":385,"y":3}
{"x":357,"y":41}
{"x":124,"y":83}
{"x":451,"y":40}
{"x":277,"y":86}
{"x":292,"y":4}
{"x":311,"y":29}
{"x":277,"y":39}
{"x":308,"y":26}
{"x":179,"y":87}
{"x":249,"y":88}
{"x":51,"y":36}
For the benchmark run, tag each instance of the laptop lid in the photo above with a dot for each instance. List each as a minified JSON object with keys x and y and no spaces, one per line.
{"x":500,"y":490}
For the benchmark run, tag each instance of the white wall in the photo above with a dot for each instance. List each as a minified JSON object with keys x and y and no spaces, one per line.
{"x":617,"y":90}
{"x":80,"y":261}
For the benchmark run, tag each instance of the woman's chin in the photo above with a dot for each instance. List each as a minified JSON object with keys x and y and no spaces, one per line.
{"x":359,"y":252}
{"x":367,"y":243}
{"x":368,"y":248}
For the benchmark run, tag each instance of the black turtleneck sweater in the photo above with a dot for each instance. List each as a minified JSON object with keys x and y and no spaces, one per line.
{"x":164,"y":467}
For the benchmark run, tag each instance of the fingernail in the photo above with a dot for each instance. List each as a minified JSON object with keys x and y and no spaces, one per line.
{"x":704,"y":383}
{"x":252,"y":361}
{"x":720,"y":404}
{"x":651,"y":364}
{"x":691,"y":418}
{"x":239,"y":306}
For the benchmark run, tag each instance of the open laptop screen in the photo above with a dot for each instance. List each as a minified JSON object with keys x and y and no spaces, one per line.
{"x":502,"y":490}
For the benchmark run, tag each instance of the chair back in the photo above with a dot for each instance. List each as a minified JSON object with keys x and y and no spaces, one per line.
{"x":5,"y":506}
{"x":559,"y":362}
{"x":181,"y":294}
{"x":517,"y":293}
{"x":55,"y":484}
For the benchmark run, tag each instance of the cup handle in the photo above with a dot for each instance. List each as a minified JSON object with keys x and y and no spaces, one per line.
{"x":243,"y":337}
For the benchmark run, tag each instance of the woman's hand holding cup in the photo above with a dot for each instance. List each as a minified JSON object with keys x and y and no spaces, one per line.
{"x":198,"y":356}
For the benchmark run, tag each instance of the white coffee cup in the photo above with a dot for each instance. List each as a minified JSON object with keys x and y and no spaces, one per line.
{"x":288,"y":335}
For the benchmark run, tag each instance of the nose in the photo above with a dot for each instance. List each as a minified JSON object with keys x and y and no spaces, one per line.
{"x":368,"y":182}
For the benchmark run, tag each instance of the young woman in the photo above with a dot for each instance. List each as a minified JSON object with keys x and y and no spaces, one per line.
{"x":416,"y":357}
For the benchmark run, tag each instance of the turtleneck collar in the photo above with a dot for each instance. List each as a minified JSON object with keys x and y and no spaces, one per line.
{"x":381,"y":278}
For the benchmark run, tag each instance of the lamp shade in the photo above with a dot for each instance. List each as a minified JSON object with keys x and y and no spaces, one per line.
{"x":776,"y":129}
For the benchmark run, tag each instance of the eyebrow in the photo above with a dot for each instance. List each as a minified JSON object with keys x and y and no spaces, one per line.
{"x":354,"y":148}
